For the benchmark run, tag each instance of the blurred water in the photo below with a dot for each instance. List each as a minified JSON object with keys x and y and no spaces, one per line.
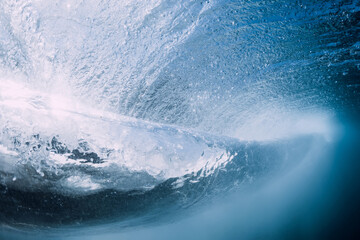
{"x":212,"y":119}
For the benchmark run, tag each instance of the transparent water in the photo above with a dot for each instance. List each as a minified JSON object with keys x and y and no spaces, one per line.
{"x":162,"y":119}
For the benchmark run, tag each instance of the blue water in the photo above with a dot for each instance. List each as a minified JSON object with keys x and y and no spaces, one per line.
{"x":212,"y":119}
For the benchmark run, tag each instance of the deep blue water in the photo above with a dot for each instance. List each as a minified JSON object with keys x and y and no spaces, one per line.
{"x":212,"y":119}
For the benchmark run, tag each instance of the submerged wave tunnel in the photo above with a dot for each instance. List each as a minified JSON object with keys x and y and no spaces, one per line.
{"x":111,"y":160}
{"x":123,"y":117}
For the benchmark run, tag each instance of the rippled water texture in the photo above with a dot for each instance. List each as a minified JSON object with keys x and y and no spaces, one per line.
{"x":160,"y":119}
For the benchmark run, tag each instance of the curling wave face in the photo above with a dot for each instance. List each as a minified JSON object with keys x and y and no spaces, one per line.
{"x":59,"y":154}
{"x":161,"y":104}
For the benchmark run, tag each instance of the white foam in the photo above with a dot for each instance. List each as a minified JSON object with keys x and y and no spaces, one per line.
{"x":6,"y":151}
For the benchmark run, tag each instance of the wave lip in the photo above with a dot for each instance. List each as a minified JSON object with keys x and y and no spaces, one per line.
{"x":47,"y":134}
{"x":56,"y":156}
{"x":70,"y":196}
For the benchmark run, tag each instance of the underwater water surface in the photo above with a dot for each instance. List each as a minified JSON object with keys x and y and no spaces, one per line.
{"x":187,"y":119}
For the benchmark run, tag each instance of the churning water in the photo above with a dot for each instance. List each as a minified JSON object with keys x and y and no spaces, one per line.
{"x":188,"y":119}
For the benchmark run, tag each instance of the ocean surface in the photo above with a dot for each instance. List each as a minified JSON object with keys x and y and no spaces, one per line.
{"x":188,"y":119}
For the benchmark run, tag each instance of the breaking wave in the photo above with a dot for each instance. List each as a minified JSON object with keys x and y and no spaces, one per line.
{"x":115,"y":110}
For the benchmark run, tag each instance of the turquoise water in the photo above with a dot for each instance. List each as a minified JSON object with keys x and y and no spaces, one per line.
{"x":179,"y":119}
